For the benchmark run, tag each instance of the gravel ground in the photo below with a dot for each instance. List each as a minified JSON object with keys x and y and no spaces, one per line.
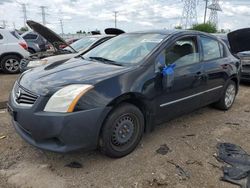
{"x":7,"y":81}
{"x":191,"y":140}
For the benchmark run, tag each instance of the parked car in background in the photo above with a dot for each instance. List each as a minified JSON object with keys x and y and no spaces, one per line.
{"x":75,"y":49}
{"x":36,"y":43}
{"x":122,"y":88}
{"x":69,"y":41}
{"x":12,"y":49}
{"x":242,"y":52}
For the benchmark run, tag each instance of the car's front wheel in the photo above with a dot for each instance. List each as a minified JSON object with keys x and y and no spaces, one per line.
{"x":10,"y":64}
{"x":228,"y":97}
{"x":122,"y":131}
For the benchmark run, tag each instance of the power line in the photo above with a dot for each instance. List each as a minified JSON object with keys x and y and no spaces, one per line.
{"x":214,"y":7}
{"x":189,"y":14}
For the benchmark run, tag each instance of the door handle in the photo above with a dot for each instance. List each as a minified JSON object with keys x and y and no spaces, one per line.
{"x":200,"y":76}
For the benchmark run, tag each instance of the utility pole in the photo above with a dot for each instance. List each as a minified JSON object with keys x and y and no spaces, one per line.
{"x":43,"y":14}
{"x":24,"y":14}
{"x":14,"y":25}
{"x":205,"y":14}
{"x":3,"y":23}
{"x":116,"y":12}
{"x":61,"y":24}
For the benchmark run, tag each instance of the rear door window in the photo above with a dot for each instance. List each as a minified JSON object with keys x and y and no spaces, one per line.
{"x":211,"y":48}
{"x":1,"y":37}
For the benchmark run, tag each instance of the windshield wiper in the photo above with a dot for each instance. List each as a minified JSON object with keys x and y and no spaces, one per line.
{"x":104,"y":60}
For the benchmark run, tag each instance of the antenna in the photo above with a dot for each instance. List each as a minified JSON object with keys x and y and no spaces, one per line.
{"x":189,"y":14}
{"x":214,"y":7}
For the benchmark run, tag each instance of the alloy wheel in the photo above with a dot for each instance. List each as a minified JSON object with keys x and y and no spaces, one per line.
{"x":12,"y":65}
{"x":230,"y":95}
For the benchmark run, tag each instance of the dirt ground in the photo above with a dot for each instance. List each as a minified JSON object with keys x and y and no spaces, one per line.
{"x":6,"y":83}
{"x":191,"y":139}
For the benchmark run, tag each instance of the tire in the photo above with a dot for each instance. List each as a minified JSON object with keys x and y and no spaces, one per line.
{"x":122,"y":131}
{"x":228,"y":97}
{"x":10,"y":64}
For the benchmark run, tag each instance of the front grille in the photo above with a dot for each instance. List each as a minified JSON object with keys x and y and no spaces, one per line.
{"x":23,"y":96}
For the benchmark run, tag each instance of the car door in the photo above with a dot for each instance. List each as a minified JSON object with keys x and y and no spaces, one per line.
{"x":181,"y":90}
{"x":216,"y":68}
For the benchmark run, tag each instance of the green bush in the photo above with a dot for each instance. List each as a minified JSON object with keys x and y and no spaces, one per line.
{"x":207,"y":27}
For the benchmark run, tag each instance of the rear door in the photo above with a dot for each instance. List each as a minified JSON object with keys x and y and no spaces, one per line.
{"x":216,"y":67}
{"x":181,"y":90}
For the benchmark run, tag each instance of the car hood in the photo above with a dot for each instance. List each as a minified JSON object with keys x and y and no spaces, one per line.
{"x":239,"y":40}
{"x":47,"y":79}
{"x":61,"y":57}
{"x":46,"y":33}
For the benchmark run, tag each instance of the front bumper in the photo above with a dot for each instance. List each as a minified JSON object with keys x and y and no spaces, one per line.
{"x":58,"y":132}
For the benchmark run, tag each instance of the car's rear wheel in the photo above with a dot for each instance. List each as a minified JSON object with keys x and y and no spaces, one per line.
{"x":228,"y":97}
{"x":10,"y":64}
{"x":122,"y":131}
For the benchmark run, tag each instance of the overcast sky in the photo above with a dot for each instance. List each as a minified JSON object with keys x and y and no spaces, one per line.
{"x":132,"y":14}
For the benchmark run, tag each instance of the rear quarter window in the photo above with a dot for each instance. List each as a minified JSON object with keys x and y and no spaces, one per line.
{"x":211,"y":48}
{"x":1,"y":37}
{"x":16,"y":35}
{"x":30,"y":36}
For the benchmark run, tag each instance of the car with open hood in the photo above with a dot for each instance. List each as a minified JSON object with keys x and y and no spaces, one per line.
{"x":36,"y":43}
{"x":62,"y":54}
{"x":121,"y":89}
{"x":241,"y":36}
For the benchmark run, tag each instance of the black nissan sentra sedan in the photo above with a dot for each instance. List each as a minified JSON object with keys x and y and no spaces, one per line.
{"x":109,"y":97}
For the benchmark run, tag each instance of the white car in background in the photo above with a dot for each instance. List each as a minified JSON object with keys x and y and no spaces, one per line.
{"x":12,"y":49}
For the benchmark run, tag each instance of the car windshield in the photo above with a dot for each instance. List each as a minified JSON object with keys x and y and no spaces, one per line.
{"x":82,"y":43}
{"x":125,"y":49}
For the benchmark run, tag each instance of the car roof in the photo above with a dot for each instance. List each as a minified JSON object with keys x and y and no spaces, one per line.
{"x":174,"y":32}
{"x":99,"y":36}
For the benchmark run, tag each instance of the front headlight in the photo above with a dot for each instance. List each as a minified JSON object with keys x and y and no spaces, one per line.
{"x":65,"y":99}
{"x":37,"y":63}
